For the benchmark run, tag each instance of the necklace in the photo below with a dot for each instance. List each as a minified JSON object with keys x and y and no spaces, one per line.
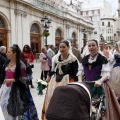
{"x":10,"y":65}
{"x":93,"y":56}
{"x":64,"y":58}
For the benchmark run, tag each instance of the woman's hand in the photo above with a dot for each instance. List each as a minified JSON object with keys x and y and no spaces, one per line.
{"x":98,"y":83}
{"x":9,"y":80}
{"x":48,"y":79}
{"x":79,"y":78}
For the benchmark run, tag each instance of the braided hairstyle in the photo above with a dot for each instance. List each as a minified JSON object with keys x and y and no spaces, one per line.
{"x":15,"y":49}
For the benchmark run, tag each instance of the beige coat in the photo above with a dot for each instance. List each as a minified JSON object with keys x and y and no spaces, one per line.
{"x":76,"y":53}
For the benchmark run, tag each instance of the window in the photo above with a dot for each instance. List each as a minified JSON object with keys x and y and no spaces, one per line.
{"x":96,"y":18}
{"x":73,"y":35}
{"x":2,"y":24}
{"x":95,"y":32}
{"x":90,"y":13}
{"x":108,"y":24}
{"x":58,"y":33}
{"x":110,"y":38}
{"x":89,"y":18}
{"x":96,"y":12}
{"x":34,"y":28}
{"x":84,"y":13}
{"x":102,"y":23}
{"x":110,"y":30}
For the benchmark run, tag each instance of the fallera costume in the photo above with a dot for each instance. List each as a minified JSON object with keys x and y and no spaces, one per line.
{"x":115,"y":74}
{"x":24,"y":108}
{"x":63,"y":72}
{"x":93,"y":70}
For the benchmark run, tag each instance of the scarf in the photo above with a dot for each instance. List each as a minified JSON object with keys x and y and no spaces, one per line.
{"x":70,"y":59}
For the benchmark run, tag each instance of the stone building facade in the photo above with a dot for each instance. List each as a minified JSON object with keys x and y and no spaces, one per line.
{"x":95,"y":12}
{"x":119,"y":19}
{"x":20,"y":23}
{"x":109,"y":30}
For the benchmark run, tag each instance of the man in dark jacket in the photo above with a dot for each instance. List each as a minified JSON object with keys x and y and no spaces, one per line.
{"x":2,"y":58}
{"x":2,"y":61}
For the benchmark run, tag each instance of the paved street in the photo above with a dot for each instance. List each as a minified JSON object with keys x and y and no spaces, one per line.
{"x":37,"y":99}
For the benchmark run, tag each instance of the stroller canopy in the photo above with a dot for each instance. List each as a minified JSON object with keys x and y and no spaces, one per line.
{"x":70,"y":102}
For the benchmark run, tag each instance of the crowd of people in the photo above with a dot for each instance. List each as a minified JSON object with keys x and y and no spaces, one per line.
{"x":58,"y":68}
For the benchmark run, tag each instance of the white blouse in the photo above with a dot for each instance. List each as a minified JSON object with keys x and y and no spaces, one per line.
{"x":104,"y":72}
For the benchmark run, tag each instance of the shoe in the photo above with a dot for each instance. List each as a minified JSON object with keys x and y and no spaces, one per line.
{"x":32,"y":86}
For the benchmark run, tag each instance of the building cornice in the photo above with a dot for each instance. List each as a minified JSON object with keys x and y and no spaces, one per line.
{"x":46,"y":8}
{"x":110,"y":18}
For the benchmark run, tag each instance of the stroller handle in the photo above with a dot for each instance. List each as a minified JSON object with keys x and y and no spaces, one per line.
{"x":89,"y":82}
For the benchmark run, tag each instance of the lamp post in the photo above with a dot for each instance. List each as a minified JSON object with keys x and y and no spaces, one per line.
{"x":84,"y":37}
{"x":46,"y":24}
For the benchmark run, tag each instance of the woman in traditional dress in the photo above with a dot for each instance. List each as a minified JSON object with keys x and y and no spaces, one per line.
{"x":115,"y":73}
{"x":96,"y":68}
{"x":64,"y":70}
{"x":15,"y":98}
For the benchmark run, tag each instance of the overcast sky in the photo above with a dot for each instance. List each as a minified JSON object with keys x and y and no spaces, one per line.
{"x":113,"y":3}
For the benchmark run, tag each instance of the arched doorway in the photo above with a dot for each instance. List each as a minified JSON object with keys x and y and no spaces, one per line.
{"x":58,"y":37}
{"x":3,"y":33}
{"x":74,"y":38}
{"x":35,"y":38}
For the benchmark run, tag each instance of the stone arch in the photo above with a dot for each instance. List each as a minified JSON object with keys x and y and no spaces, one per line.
{"x":38,"y":25}
{"x":74,"y":36}
{"x":4,"y":28}
{"x":58,"y":36}
{"x":35,"y":37}
{"x":6,"y":21}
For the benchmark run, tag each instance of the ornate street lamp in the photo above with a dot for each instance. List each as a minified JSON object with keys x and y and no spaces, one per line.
{"x":45,"y":24}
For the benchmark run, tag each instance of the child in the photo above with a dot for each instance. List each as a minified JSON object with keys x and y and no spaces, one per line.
{"x":29,"y":72}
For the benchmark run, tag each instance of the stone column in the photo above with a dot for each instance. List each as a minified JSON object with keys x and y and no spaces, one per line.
{"x":21,"y":30}
{"x":67,"y":30}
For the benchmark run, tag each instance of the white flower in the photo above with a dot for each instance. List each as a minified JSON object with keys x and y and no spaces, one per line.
{"x":41,"y":81}
{"x":44,"y":83}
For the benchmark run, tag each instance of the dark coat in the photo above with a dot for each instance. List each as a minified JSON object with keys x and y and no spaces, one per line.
{"x":2,"y":61}
{"x":29,"y":68}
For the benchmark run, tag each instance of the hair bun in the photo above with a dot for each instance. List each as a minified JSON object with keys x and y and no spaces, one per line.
{"x":15,"y":45}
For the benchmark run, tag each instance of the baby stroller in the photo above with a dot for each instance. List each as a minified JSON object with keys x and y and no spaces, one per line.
{"x":98,"y":105}
{"x":70,"y":102}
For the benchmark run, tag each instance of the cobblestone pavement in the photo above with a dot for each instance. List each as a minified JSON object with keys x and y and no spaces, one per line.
{"x":38,"y":100}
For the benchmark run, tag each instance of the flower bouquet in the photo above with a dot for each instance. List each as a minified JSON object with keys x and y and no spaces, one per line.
{"x":41,"y":86}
